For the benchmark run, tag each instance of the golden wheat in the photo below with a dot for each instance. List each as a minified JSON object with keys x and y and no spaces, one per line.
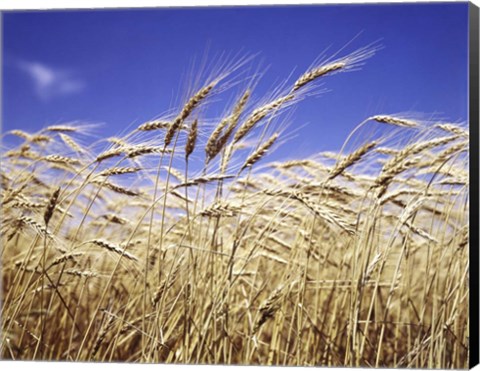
{"x":330,"y":260}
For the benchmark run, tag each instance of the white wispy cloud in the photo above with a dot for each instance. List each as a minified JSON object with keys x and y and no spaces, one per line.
{"x":51,"y":82}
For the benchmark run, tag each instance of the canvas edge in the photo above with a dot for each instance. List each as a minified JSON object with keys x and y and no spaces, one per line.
{"x":474,"y":182}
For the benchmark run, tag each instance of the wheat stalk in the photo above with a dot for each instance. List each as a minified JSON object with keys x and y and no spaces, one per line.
{"x":260,"y":152}
{"x":351,"y":159}
{"x":257,"y":115}
{"x":187,"y":109}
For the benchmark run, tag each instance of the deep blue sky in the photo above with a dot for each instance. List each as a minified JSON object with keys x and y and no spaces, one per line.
{"x":124,"y":66}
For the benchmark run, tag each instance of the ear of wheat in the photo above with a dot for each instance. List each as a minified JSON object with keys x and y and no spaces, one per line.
{"x":187,"y":109}
{"x":260,"y":152}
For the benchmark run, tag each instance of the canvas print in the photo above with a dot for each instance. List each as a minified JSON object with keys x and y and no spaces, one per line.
{"x":256,"y":185}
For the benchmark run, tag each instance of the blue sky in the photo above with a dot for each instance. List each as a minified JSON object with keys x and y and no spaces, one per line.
{"x":125,"y":66}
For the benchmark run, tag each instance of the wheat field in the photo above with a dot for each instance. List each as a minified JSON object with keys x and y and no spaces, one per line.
{"x":179,"y":241}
